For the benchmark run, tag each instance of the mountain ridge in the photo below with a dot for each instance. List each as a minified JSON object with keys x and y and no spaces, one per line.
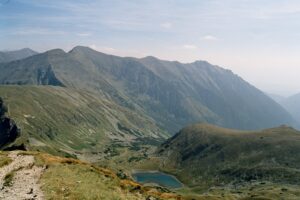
{"x":8,"y":56}
{"x":172,"y":93}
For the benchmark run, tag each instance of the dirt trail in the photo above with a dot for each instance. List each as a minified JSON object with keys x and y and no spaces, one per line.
{"x":24,"y":184}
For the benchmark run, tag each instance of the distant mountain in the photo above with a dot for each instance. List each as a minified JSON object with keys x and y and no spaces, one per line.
{"x":171,"y":93}
{"x":204,"y":155}
{"x":278,"y":98}
{"x":8,"y":56}
{"x":291,"y":104}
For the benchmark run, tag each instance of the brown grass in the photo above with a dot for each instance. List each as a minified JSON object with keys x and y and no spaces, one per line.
{"x":4,"y":159}
{"x":67,"y":178}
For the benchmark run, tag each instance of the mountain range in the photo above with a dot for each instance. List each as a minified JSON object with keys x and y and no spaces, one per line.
{"x":129,"y":113}
{"x":173,"y":94}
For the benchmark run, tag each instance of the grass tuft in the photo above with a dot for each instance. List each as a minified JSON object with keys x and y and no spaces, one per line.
{"x":4,"y":161}
{"x":8,"y":179}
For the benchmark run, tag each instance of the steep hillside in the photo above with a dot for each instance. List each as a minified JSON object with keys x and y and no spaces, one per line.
{"x":8,"y":56}
{"x":203,"y":156}
{"x":218,"y":95}
{"x":171,"y":93}
{"x":67,"y":121}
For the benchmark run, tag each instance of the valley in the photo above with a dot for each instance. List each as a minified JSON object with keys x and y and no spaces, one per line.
{"x":122,"y":115}
{"x":149,"y":100}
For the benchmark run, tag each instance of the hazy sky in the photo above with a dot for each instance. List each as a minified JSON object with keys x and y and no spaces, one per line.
{"x":257,"y":39}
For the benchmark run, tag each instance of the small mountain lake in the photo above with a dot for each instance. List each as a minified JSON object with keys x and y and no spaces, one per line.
{"x":155,"y":177}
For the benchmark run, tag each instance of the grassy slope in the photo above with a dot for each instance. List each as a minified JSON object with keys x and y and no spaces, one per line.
{"x":65,"y":178}
{"x":59,"y":120}
{"x":230,"y":162}
{"x":211,"y":155}
{"x":73,"y":179}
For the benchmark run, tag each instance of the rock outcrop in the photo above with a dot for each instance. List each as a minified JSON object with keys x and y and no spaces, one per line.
{"x":8,"y":128}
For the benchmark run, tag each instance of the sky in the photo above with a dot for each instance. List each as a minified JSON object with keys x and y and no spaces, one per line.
{"x":256,"y":39}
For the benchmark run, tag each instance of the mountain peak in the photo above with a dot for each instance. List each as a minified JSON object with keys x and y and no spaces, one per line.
{"x":150,"y":58}
{"x":28,"y":50}
{"x":81,"y":49}
{"x":55,"y":51}
{"x":88,"y":51}
{"x":200,"y":62}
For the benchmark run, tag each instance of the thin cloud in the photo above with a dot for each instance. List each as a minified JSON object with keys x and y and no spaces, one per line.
{"x":209,"y":38}
{"x":105,"y":49}
{"x":38,"y":32}
{"x":109,"y":49}
{"x":95,"y":47}
{"x":84,"y":34}
{"x":190,"y":46}
{"x":166,"y":25}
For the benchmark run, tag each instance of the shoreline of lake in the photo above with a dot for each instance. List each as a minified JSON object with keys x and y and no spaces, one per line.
{"x":156,"y":177}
